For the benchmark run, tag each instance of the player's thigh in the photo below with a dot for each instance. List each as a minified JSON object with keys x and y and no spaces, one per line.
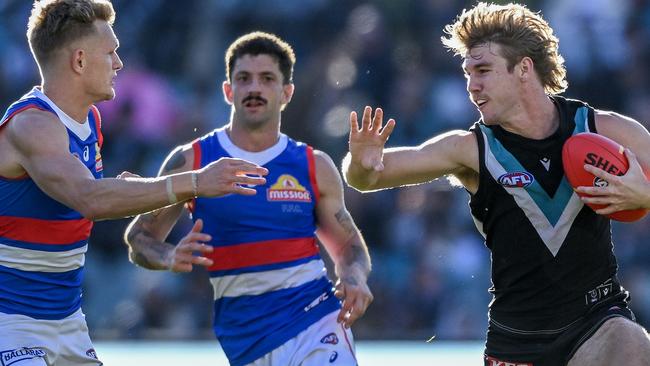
{"x":326,"y":343}
{"x":619,"y":341}
{"x":76,"y":348}
{"x":25,"y":341}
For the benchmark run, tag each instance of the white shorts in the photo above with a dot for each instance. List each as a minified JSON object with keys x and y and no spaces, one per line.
{"x":26,"y":341}
{"x":324,"y":343}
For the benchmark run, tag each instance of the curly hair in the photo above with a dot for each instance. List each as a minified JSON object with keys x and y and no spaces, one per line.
{"x":257,"y":43}
{"x":520,"y":33}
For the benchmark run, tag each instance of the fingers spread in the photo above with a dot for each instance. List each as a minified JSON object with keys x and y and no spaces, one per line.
{"x":387,"y":130}
{"x":354,"y":124}
{"x":377,"y":120}
{"x":365,"y":121}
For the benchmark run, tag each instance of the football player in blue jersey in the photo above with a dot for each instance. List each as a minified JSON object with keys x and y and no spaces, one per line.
{"x":50,"y":186}
{"x":556,"y":296}
{"x":273,"y":301}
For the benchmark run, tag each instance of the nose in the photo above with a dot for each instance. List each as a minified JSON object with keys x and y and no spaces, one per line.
{"x":472,"y":85}
{"x":117,"y":63}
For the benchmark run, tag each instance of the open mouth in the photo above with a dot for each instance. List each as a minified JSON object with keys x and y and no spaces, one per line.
{"x":480,"y":103}
{"x":253,"y":102}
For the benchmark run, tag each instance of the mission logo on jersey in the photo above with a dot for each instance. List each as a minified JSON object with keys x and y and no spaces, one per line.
{"x":287,"y":188}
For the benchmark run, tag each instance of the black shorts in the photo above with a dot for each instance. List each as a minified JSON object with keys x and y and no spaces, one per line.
{"x":509,"y":347}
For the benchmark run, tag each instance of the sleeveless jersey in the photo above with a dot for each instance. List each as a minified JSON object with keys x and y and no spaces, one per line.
{"x":549,"y":251}
{"x":268,"y":278}
{"x":42,"y":242}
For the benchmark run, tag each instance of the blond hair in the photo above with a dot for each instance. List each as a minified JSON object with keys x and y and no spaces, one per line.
{"x":520,"y":33}
{"x":54,"y":24}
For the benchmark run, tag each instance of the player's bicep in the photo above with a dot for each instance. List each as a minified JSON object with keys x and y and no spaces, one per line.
{"x":627,"y":132}
{"x":42,"y":149}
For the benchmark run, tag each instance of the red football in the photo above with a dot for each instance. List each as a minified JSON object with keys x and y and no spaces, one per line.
{"x":601,"y":152}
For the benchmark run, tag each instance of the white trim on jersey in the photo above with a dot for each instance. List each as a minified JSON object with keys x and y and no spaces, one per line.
{"x":42,"y":261}
{"x":257,"y":283}
{"x":260,"y":157}
{"x":552,"y":236}
{"x":82,"y":130}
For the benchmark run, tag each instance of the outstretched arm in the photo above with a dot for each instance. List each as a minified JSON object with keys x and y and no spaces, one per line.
{"x":39,"y":145}
{"x":146,"y":234}
{"x":369,"y":166}
{"x":343,"y":242}
{"x":632,"y":190}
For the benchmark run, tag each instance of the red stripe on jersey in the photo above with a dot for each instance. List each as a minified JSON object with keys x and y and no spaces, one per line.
{"x":196,"y":147}
{"x":56,"y":232}
{"x":260,"y":253}
{"x":98,"y":125}
{"x":312,"y":173}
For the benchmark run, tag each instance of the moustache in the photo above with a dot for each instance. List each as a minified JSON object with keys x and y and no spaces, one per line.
{"x":254,"y":98}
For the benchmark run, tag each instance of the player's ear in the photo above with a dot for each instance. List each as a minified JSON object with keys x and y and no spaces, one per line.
{"x":78,"y":60}
{"x":227,"y":92}
{"x":287,"y":93}
{"x":525,"y":68}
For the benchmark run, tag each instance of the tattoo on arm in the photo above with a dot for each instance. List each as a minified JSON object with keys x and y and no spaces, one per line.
{"x":144,"y":250}
{"x":343,"y":217}
{"x":355,"y":251}
{"x":176,"y":161}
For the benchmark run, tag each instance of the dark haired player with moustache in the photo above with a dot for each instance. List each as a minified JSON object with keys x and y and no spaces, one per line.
{"x":50,"y":191}
{"x":557,"y":299}
{"x":273,"y":303}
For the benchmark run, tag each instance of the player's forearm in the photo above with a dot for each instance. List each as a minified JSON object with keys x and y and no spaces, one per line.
{"x":353,"y":259}
{"x":356,"y":176}
{"x":113,"y":198}
{"x":145,"y":250}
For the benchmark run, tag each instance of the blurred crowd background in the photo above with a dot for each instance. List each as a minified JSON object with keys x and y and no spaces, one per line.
{"x":431,"y":268}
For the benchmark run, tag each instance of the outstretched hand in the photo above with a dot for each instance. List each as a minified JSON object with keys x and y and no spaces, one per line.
{"x":230,"y":175}
{"x":355,"y":298}
{"x":182,"y":258}
{"x":625,"y":192}
{"x":367,"y":143}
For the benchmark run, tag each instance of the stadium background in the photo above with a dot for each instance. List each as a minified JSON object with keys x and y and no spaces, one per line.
{"x":431,"y":269}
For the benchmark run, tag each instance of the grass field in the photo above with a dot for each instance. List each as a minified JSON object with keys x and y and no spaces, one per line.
{"x":208,"y":353}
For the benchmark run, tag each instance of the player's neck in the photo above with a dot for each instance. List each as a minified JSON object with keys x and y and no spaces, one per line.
{"x":536,"y":118}
{"x":67,"y":98}
{"x":253,"y":139}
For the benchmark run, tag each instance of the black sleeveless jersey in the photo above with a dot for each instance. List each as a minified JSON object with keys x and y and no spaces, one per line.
{"x":552,"y":256}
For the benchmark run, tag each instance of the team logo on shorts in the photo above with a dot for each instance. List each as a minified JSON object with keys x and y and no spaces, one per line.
{"x":516,"y":180}
{"x":334,"y":356}
{"x":287,"y":188}
{"x":12,"y":356}
{"x":330,"y":339}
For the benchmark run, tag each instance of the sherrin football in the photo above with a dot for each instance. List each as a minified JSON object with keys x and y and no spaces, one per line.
{"x":601,"y":152}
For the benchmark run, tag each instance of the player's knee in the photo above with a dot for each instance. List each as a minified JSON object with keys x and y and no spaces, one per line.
{"x":627,"y":337}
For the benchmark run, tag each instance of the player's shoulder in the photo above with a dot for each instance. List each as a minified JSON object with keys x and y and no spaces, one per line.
{"x":33,"y":123}
{"x":180,"y":159}
{"x":609,"y":121}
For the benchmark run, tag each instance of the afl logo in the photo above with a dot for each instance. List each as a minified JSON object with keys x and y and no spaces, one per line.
{"x":516,"y":180}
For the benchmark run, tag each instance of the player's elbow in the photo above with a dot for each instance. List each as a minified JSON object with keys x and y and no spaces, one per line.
{"x":351,"y":179}
{"x":91,"y":210}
